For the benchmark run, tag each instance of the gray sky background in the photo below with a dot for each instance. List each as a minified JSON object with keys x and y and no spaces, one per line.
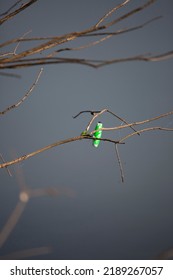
{"x":96,"y":216}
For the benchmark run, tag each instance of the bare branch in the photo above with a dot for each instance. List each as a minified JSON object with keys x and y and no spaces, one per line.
{"x":98,"y":33}
{"x":8,"y":171}
{"x":107,"y":35}
{"x":26,"y":33}
{"x":95,"y":115}
{"x":25,"y":195}
{"x":86,"y":62}
{"x":123,"y":120}
{"x":103,"y":139}
{"x":85,"y":111}
{"x":15,"y":61}
{"x":17,"y":160}
{"x":120,"y":163}
{"x":83,"y":46}
{"x":135,"y":123}
{"x":25,"y":96}
{"x":132,"y":12}
{"x":144,"y":130}
{"x":13,"y":6}
{"x":10,"y":75}
{"x":40,"y":151}
{"x":89,"y":136}
{"x":11,"y":222}
{"x":111,"y":12}
{"x":98,"y":113}
{"x":12,"y":14}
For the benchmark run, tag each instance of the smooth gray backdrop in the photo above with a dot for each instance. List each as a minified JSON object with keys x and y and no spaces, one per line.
{"x":95,"y":216}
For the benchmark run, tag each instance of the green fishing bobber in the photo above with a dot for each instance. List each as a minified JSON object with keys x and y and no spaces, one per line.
{"x":97,"y":134}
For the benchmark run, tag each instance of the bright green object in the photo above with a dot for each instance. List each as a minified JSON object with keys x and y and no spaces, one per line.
{"x":97,"y":134}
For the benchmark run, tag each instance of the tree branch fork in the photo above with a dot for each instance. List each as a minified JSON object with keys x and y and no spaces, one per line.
{"x":89,"y":135}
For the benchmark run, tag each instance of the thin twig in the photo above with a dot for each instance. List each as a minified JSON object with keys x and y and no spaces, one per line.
{"x":144,"y":130}
{"x":12,"y":14}
{"x":85,"y":111}
{"x":26,"y":33}
{"x":123,"y":120}
{"x":14,"y":5}
{"x":69,"y":140}
{"x":95,"y":115}
{"x":25,"y":195}
{"x":96,"y":34}
{"x":94,"y":63}
{"x":8,"y":171}
{"x":107,"y":35}
{"x":120,"y":163}
{"x":134,"y":123}
{"x":103,"y":139}
{"x":91,"y":44}
{"x":11,"y":222}
{"x":111,"y":12}
{"x":17,"y":160}
{"x":129,"y":14}
{"x":13,"y":219}
{"x":11,"y":54}
{"x":70,"y":37}
{"x":25,"y":96}
{"x":98,"y":113}
{"x":10,"y":75}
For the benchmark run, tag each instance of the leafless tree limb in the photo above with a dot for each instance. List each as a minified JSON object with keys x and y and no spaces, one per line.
{"x":12,"y":14}
{"x":69,"y":140}
{"x":25,"y":96}
{"x":12,"y":7}
{"x":98,"y":113}
{"x":25,"y":195}
{"x":86,"y":62}
{"x":10,"y":75}
{"x":19,"y":60}
{"x":120,"y":163}
{"x":135,"y":123}
{"x":88,"y":135}
{"x":110,"y":12}
{"x":144,"y":130}
{"x":8,"y":171}
{"x":27,"y":58}
{"x":15,"y":50}
{"x":11,"y":222}
{"x":96,"y":34}
{"x":107,"y":35}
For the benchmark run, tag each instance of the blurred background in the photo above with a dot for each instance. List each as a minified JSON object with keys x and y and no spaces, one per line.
{"x":87,"y":213}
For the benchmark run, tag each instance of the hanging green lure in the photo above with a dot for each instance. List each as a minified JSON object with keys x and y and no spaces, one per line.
{"x":97,"y":134}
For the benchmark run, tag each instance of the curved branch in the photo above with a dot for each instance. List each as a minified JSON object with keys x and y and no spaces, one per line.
{"x":134,"y":123}
{"x":118,"y":32}
{"x":86,"y":62}
{"x":144,"y":130}
{"x":14,"y":61}
{"x":120,"y":163}
{"x":25,"y":96}
{"x":111,"y":12}
{"x":89,"y":136}
{"x":69,"y":140}
{"x":12,"y":14}
{"x":8,"y":171}
{"x":9,"y":9}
